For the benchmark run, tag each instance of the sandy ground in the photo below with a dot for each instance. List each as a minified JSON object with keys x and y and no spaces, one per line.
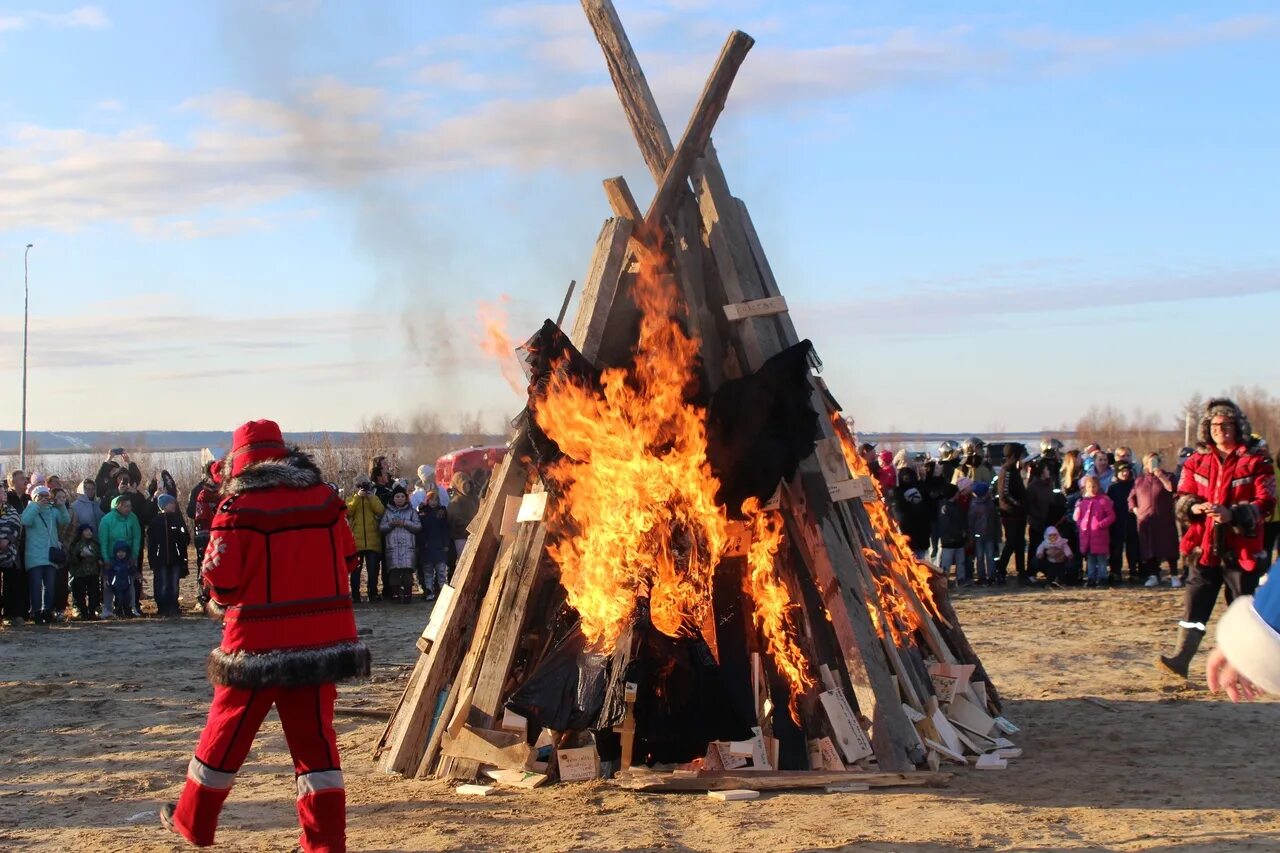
{"x":97,"y":722}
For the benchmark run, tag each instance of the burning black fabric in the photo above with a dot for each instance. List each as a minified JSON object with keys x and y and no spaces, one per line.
{"x":548,"y":353}
{"x":761,"y":426}
{"x":566,"y":690}
{"x":682,"y":703}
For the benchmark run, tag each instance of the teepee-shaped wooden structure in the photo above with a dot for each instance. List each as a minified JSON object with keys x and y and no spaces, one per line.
{"x":894,"y":683}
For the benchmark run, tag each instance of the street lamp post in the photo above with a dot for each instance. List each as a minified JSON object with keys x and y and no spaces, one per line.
{"x":26,"y":302}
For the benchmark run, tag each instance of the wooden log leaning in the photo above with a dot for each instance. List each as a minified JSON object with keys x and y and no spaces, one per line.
{"x":697,"y":134}
{"x":600,"y":287}
{"x":497,"y":651}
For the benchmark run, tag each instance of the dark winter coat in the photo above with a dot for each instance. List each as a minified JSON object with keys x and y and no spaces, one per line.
{"x":1125,"y":527}
{"x":953,"y":524}
{"x":1151,"y":502}
{"x":434,"y":541}
{"x":984,"y":521}
{"x":106,"y":483}
{"x":462,"y":508}
{"x":84,"y":557}
{"x":1046,"y":505}
{"x":167,"y":541}
{"x":278,"y":564}
{"x":912,"y":509}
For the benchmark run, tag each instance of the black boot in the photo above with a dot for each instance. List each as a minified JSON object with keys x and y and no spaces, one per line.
{"x":1188,"y":641}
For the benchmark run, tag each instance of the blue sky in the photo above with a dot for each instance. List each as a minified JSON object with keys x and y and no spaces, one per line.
{"x":986,"y":215}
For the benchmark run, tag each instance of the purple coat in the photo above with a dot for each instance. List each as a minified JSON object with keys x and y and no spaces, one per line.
{"x":1094,"y":517}
{"x":1152,"y":502}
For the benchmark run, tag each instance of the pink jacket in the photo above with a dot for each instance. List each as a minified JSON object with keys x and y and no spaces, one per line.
{"x":1094,"y":517}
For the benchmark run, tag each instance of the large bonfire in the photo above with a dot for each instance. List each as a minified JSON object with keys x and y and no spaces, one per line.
{"x":636,"y":513}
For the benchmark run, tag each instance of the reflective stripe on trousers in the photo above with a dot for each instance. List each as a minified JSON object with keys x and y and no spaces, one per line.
{"x":320,"y":780}
{"x":203,"y":774}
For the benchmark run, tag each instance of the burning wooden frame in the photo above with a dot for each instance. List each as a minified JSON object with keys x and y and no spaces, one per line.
{"x":816,"y":643}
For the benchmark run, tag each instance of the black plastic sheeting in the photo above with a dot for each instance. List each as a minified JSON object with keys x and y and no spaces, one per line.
{"x":760,"y":427}
{"x":548,"y":353}
{"x":681,"y":702}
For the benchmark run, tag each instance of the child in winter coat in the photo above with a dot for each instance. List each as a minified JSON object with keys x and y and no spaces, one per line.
{"x":120,"y":580}
{"x":953,"y":531}
{"x":1094,"y":516}
{"x":433,"y":544}
{"x":84,"y":564}
{"x":399,"y":527}
{"x":984,"y":529}
{"x":1053,"y":556}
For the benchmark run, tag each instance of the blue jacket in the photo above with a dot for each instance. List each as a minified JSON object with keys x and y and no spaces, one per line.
{"x":1249,"y":635}
{"x":44,"y":525}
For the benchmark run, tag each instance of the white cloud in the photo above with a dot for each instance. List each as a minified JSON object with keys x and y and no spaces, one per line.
{"x":329,"y":134}
{"x":81,"y":17}
{"x":944,"y":306}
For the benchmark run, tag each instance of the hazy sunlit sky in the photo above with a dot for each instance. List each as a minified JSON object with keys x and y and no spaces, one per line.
{"x":986,"y":215}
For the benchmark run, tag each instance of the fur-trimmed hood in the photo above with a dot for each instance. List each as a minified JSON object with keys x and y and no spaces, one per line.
{"x":1223,"y":407}
{"x":295,"y":471}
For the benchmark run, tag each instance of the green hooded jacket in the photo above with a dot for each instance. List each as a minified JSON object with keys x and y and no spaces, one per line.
{"x":115,"y":527}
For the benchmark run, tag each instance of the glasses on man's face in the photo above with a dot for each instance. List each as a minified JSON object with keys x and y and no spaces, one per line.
{"x":1220,"y":424}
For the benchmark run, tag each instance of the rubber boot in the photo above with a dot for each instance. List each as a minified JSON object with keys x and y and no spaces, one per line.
{"x":1188,"y":641}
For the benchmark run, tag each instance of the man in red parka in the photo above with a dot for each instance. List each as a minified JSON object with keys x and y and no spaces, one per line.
{"x":1226,"y":492}
{"x":277,"y":572}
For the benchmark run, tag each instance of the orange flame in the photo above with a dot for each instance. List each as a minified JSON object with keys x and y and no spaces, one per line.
{"x":773,"y":605}
{"x":637,"y":515}
{"x":496,"y":343}
{"x":901,"y":569}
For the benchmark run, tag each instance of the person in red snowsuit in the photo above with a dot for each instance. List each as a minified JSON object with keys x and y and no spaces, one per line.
{"x":1226,"y":491}
{"x":276,"y":572}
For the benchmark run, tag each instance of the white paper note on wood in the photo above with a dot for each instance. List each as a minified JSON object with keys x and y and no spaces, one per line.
{"x":849,"y":735}
{"x":532,"y":507}
{"x":756,"y":308}
{"x":578,"y":765}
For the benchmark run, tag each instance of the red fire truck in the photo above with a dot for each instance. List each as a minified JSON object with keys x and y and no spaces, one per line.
{"x":467,"y":461}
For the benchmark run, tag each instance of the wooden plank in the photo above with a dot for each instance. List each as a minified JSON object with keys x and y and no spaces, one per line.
{"x":633,"y":89}
{"x":892,"y":738}
{"x":407,"y":731}
{"x":773,"y":781}
{"x":600,"y":286}
{"x":621,"y":201}
{"x":510,"y":600}
{"x":697,"y":134}
{"x":506,"y":750}
{"x":457,"y":706}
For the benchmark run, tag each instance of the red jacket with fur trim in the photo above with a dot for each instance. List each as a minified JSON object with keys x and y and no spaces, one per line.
{"x":1244,"y":482}
{"x":277,"y":564}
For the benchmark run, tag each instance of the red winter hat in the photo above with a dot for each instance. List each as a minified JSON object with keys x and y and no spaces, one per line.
{"x":256,"y":441}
